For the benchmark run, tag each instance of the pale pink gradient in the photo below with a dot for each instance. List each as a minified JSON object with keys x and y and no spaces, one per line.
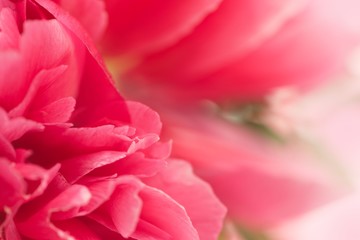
{"x":338,"y":220}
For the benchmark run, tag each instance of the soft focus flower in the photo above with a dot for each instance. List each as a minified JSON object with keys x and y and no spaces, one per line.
{"x":263,"y":183}
{"x":328,"y":117}
{"x":302,"y":184}
{"x":76,"y":160}
{"x":79,"y":162}
{"x":338,"y":220}
{"x":237,"y":51}
{"x":228,"y":49}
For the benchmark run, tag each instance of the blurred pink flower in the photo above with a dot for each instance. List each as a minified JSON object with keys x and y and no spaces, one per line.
{"x":262,"y":183}
{"x":330,"y":118}
{"x":76,"y":160}
{"x":229,"y":49}
{"x":338,"y":220}
{"x":326,"y":116}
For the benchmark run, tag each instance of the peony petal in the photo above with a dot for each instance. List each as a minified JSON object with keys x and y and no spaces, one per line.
{"x":139,"y":165}
{"x":136,"y":164}
{"x":84,"y":11}
{"x":173,"y":218}
{"x":95,"y":79}
{"x":14,"y":79}
{"x":23,"y":64}
{"x":101,"y":190}
{"x":42,"y":81}
{"x":63,"y":53}
{"x":79,"y":230}
{"x":110,"y":112}
{"x":86,"y":163}
{"x":204,"y":209}
{"x":146,"y":230}
{"x":6,"y":149}
{"x":121,"y":212}
{"x":70,"y":142}
{"x":234,"y":29}
{"x":129,"y":31}
{"x":10,"y":232}
{"x":56,"y":112}
{"x":66,"y":205}
{"x":159,"y":150}
{"x":84,"y":228}
{"x":144,"y":118}
{"x":36,"y":178}
{"x":9,"y":34}
{"x":243,"y":51}
{"x":12,"y":185}
{"x":284,"y":58}
{"x":15,"y":128}
{"x":143,"y":142}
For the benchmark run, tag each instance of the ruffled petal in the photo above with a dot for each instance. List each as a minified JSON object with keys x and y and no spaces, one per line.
{"x":204,"y":209}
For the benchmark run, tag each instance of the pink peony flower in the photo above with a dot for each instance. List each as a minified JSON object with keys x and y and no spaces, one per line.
{"x":229,"y":49}
{"x":76,"y":160}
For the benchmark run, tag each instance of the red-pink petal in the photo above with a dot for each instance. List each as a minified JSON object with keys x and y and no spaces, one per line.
{"x":204,"y":209}
{"x":173,"y":219}
{"x":10,"y":231}
{"x":95,"y":79}
{"x":146,"y":230}
{"x":36,"y":178}
{"x":84,"y":11}
{"x":84,"y":228}
{"x":70,"y":142}
{"x":140,"y":27}
{"x":12,"y":185}
{"x":6,"y":149}
{"x":121,"y":212}
{"x":14,"y":128}
{"x":139,"y":165}
{"x":244,"y":50}
{"x":86,"y":163}
{"x":144,"y":118}
{"x":101,"y":190}
{"x":41,"y":225}
{"x":63,"y":52}
{"x":34,"y":99}
{"x":58,"y":111}
{"x":9,"y":35}
{"x":22,"y":65}
{"x":234,"y":29}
